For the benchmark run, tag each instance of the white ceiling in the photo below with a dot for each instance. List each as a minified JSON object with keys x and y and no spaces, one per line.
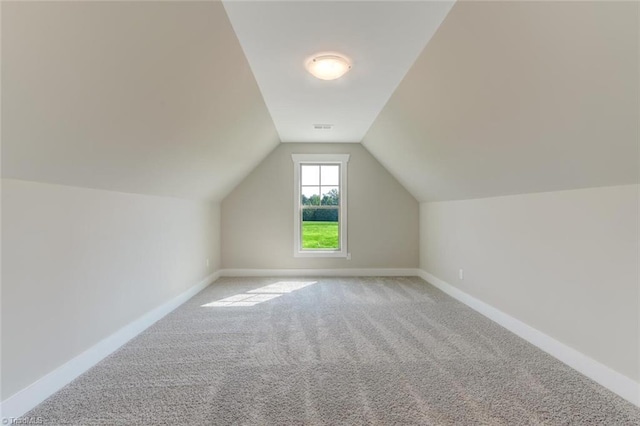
{"x":159,"y":98}
{"x":517,"y":97}
{"x":143,"y":97}
{"x":382,"y":38}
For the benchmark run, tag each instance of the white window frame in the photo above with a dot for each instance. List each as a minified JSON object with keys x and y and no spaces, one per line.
{"x":298,"y":161}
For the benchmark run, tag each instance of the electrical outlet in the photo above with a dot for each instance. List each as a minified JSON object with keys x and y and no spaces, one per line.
{"x":461,"y":274}
{"x":207,"y":263}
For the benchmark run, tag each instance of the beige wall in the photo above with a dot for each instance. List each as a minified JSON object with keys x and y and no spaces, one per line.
{"x":257,"y":217}
{"x":78,"y":264}
{"x":566,"y":263}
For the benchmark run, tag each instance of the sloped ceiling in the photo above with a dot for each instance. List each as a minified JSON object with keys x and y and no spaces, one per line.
{"x":517,"y":97}
{"x":158,"y":98}
{"x":143,"y":97}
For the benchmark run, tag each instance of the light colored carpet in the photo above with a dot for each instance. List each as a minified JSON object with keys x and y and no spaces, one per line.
{"x":338,"y":351}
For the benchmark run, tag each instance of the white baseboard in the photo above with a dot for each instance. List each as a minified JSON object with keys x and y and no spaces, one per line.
{"x":344,"y":272}
{"x":26,"y":399}
{"x":600,"y":373}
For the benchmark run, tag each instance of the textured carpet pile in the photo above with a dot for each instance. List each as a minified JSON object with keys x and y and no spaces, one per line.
{"x":331,"y":351}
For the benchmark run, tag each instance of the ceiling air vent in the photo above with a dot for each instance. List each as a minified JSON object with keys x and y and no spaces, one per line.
{"x":323,"y":126}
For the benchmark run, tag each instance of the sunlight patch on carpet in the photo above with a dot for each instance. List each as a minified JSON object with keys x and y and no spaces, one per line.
{"x":259,"y":295}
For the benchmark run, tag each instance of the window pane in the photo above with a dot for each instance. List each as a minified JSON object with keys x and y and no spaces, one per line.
{"x":310,"y":196}
{"x":330,"y":196}
{"x":330,"y":175}
{"x":310,"y":175}
{"x":320,"y":229}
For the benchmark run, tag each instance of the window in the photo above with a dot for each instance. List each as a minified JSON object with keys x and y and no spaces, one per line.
{"x":320,"y":205}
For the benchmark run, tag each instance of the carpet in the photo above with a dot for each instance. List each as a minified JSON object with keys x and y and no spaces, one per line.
{"x":330,"y":351}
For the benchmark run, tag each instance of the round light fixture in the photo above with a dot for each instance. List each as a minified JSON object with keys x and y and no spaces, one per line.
{"x":328,"y":67}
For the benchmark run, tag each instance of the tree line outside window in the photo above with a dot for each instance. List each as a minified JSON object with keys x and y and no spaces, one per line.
{"x":331,"y":198}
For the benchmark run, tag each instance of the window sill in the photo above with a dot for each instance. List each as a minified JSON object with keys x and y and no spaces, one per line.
{"x":320,"y":253}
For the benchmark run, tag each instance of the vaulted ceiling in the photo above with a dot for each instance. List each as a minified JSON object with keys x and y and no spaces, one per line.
{"x":517,"y":97}
{"x":381,"y":38}
{"x":161,"y":97}
{"x":143,"y":97}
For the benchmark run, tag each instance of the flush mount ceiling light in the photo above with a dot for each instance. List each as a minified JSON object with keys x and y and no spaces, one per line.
{"x":328,"y":66}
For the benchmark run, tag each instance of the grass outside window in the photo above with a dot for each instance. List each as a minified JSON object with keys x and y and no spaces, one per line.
{"x":320,"y":235}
